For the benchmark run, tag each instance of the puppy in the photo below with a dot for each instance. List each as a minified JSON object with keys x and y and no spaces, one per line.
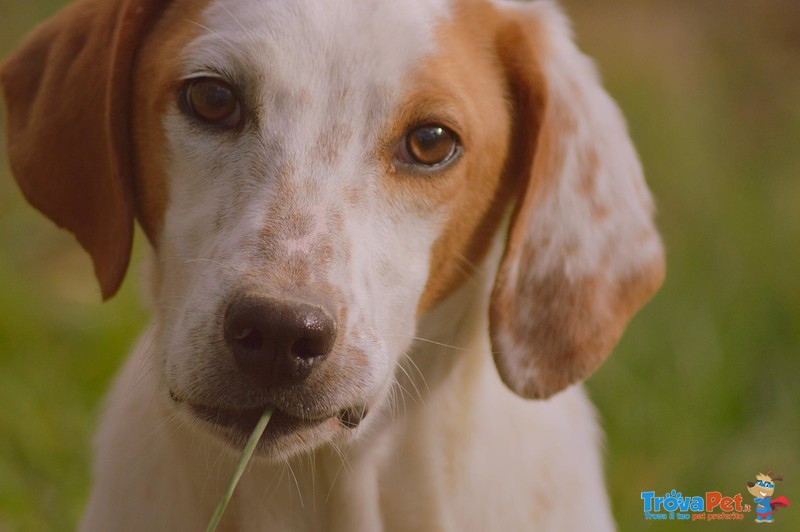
{"x":410,"y":228}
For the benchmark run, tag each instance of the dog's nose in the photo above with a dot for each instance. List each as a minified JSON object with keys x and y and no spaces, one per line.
{"x":277,"y":341}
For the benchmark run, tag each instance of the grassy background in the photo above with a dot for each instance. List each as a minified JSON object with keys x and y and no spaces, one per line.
{"x":701,"y":394}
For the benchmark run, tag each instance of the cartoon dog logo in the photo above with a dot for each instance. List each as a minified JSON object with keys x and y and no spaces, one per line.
{"x":762,"y":490}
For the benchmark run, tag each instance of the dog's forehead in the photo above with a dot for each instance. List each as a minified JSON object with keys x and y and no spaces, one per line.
{"x":317,"y":46}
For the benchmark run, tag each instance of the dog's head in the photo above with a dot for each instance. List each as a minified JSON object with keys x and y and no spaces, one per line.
{"x":764,"y":486}
{"x":313,"y":177}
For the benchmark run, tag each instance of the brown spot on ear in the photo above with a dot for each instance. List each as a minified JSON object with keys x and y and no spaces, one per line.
{"x":156,"y":83}
{"x":570,"y":325}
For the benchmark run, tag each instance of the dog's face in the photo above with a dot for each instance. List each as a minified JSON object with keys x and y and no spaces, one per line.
{"x":300,"y":168}
{"x":764,"y":486}
{"x":314,"y":176}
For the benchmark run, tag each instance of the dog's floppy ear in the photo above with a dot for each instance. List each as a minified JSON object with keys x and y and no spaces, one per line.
{"x":582,"y":253}
{"x":67,"y":91}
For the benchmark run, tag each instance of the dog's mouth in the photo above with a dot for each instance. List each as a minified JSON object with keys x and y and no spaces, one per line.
{"x":238,"y":423}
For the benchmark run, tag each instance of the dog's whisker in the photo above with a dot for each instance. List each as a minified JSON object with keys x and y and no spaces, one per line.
{"x":418,"y":370}
{"x":214,"y":470}
{"x":399,"y":394}
{"x":167,"y":424}
{"x":360,"y":426}
{"x":464,"y":260}
{"x":312,"y":463}
{"x":296,"y":483}
{"x":143,"y":371}
{"x":470,"y":275}
{"x":342,"y":455}
{"x":421,"y":339}
{"x":413,"y":384}
{"x":390,"y":403}
{"x":238,"y":22}
{"x":222,"y":38}
{"x":276,"y":482}
{"x":185,"y":260}
{"x":342,"y":464}
{"x":147,"y":364}
{"x":399,"y":416}
{"x":190,"y":261}
{"x":405,"y":392}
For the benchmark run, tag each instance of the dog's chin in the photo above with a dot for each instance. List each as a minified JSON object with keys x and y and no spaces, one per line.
{"x":286,"y":435}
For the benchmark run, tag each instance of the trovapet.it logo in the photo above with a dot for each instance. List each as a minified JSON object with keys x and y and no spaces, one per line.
{"x":675,"y":506}
{"x":713,"y":505}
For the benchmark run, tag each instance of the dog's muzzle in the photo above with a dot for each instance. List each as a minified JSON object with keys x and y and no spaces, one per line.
{"x":275,"y":345}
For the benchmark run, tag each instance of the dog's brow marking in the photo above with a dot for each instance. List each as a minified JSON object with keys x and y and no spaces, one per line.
{"x":330,"y":143}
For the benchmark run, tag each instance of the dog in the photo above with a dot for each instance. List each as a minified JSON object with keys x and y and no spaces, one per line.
{"x":410,"y":228}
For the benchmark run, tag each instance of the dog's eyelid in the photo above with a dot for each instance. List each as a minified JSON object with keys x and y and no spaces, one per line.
{"x":223,"y":75}
{"x":200,"y":70}
{"x":443,"y":119}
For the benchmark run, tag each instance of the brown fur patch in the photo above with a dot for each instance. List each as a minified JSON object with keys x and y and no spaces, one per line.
{"x":461,"y":86}
{"x":67,"y":91}
{"x":328,"y":144}
{"x":298,"y":224}
{"x":155,"y":84}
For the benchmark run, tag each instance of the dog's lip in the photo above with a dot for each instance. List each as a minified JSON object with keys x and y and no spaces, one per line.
{"x":242,"y":421}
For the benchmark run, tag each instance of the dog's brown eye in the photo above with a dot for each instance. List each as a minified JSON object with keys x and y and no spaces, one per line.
{"x":213,"y":101}
{"x":429,"y":145}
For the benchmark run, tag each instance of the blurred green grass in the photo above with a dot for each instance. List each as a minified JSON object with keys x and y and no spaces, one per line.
{"x":702,"y":392}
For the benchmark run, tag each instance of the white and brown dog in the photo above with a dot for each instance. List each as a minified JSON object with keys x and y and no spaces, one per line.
{"x":358,"y":210}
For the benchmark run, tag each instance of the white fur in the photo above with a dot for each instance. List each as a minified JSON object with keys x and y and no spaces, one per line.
{"x":457,"y":451}
{"x":278,"y":43}
{"x":446,"y":446}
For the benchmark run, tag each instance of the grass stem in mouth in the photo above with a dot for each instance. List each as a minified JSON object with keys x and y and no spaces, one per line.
{"x":249,"y":449}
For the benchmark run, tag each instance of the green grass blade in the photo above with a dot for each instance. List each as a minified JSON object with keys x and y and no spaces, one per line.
{"x":249,"y":449}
